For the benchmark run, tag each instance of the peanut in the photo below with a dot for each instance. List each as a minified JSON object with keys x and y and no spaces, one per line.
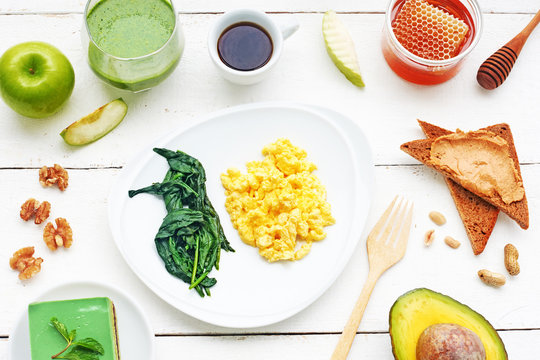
{"x":437,"y":218}
{"x":453,"y":243}
{"x":510,"y":259}
{"x":429,"y":237}
{"x":492,"y":278}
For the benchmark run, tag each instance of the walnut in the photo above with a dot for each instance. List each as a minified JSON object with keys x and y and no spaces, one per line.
{"x":48,"y":176}
{"x":42,"y":212}
{"x":61,"y":236}
{"x":32,"y":207}
{"x":32,"y":269}
{"x":24,"y":261}
{"x":19,"y":255}
{"x":29,"y":208}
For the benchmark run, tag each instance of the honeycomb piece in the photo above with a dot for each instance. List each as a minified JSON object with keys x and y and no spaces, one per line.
{"x":428,"y":31}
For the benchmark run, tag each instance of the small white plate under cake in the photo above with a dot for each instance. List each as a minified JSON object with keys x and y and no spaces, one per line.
{"x":134,"y":335}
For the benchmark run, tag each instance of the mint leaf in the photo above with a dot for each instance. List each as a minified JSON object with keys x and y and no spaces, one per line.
{"x":85,"y":349}
{"x":72,"y":335}
{"x":61,"y":328}
{"x":90,"y":344}
{"x":80,"y":353}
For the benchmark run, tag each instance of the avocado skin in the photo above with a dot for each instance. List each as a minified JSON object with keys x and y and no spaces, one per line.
{"x":492,"y":342}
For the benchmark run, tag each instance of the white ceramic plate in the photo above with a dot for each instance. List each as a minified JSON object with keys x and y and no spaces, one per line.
{"x":250,"y":291}
{"x":135,"y":338}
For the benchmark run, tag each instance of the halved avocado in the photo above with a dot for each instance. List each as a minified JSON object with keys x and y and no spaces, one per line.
{"x":417,"y":309}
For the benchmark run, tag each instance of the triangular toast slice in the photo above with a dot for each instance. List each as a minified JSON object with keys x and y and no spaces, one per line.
{"x":517,"y":210}
{"x":478,"y":216}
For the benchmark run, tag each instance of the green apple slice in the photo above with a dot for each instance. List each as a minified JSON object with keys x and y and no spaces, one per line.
{"x":95,"y":125}
{"x":340,"y":47}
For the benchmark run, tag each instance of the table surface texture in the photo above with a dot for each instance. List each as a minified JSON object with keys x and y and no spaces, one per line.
{"x":386,"y":110}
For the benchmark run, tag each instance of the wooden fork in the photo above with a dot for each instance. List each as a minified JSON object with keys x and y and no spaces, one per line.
{"x":383,"y":252}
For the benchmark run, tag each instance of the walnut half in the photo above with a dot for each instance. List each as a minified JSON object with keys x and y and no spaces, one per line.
{"x":24,"y":261}
{"x":28,"y":209}
{"x":32,"y":207}
{"x":48,"y":176}
{"x":42,"y":212}
{"x":61,"y":236}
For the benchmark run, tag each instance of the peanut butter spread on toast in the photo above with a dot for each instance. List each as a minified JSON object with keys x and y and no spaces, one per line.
{"x":481,"y":161}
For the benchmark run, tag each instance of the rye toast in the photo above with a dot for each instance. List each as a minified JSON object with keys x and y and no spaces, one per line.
{"x":478,"y":216}
{"x":517,"y":210}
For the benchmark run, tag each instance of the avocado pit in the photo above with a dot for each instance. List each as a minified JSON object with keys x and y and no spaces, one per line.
{"x":449,"y":342}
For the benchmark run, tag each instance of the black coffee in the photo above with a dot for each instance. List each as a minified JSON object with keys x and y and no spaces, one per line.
{"x":245,"y":46}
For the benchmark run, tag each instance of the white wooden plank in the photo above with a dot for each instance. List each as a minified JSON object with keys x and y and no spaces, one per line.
{"x":519,"y":344}
{"x":487,"y":6}
{"x":94,"y":255}
{"x":386,"y":109}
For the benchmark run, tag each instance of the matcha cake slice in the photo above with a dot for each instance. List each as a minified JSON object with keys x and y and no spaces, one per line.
{"x":92,"y":318}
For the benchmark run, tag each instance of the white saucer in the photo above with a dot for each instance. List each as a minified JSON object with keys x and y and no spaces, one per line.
{"x":135,"y":337}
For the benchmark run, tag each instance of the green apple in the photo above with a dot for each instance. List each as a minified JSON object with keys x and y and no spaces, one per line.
{"x":95,"y":125}
{"x":36,"y":79}
{"x":340,"y":48}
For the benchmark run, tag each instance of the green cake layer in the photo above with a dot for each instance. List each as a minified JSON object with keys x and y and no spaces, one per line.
{"x":92,"y":318}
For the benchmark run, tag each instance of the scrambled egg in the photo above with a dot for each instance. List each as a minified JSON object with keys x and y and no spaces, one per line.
{"x":278,"y":202}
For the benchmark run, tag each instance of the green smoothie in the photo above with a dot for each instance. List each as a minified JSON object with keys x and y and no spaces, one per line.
{"x":124,"y":32}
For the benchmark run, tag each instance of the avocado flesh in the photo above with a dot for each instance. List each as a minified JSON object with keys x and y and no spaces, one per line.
{"x":417,"y":309}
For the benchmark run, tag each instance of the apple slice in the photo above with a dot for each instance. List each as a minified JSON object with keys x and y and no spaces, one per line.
{"x":95,"y":125}
{"x":340,"y":47}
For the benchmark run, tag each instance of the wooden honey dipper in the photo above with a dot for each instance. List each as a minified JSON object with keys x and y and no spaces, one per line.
{"x":494,"y":71}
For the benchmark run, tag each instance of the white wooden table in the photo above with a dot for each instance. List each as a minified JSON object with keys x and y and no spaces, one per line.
{"x":386,"y":110}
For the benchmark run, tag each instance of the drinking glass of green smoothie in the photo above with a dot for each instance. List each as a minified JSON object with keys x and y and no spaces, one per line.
{"x":132,"y":44}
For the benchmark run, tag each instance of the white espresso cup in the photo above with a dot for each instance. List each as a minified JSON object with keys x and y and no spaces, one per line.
{"x":276,"y":31}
